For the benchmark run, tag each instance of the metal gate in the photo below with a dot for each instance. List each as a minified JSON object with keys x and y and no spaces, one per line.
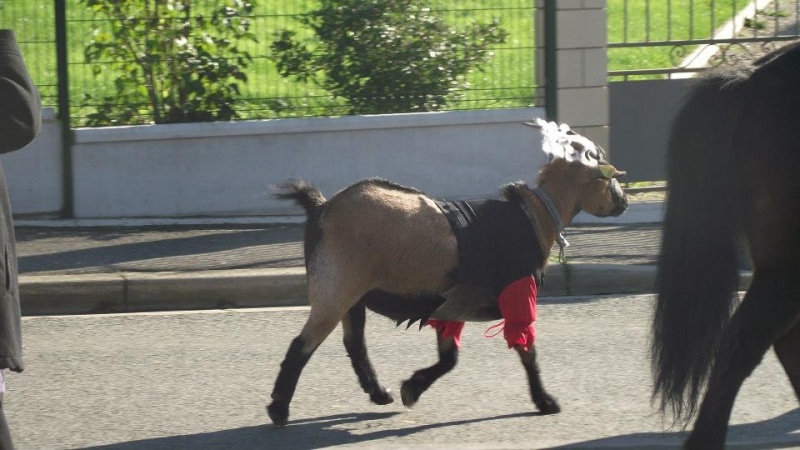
{"x":656,"y":47}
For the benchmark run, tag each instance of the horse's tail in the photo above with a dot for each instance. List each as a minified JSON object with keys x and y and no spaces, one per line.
{"x":302,"y":192}
{"x":311,"y":199}
{"x":697,"y":267}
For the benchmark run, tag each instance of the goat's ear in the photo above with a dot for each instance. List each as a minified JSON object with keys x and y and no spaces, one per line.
{"x":609,"y":172}
{"x":532,"y":124}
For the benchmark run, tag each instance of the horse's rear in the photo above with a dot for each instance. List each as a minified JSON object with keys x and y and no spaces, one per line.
{"x":734,"y":156}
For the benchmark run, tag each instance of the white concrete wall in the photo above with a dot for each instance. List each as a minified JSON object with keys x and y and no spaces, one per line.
{"x":34,"y":174}
{"x":224,"y":169}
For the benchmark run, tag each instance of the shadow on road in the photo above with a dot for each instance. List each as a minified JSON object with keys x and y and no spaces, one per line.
{"x":341,"y":429}
{"x":154,"y":250}
{"x":297,"y":435}
{"x":776,"y":433}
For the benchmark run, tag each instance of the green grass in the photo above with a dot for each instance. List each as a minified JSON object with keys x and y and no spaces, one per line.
{"x":642,"y":184}
{"x":34,"y":25}
{"x":507,"y":82}
{"x":669,"y":21}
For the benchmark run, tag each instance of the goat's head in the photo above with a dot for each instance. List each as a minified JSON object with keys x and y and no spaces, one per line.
{"x":578,"y":167}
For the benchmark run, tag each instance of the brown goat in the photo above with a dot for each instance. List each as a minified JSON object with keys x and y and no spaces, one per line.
{"x":380,"y":246}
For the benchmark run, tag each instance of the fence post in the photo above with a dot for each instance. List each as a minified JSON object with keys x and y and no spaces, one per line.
{"x":575,"y":44}
{"x":550,"y":60}
{"x":68,"y":209}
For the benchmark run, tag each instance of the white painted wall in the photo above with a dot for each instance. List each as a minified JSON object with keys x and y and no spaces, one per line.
{"x":224,"y":169}
{"x":34,"y":174}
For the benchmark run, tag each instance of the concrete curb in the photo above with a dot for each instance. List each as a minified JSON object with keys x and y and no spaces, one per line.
{"x":607,"y":279}
{"x":597,"y":279}
{"x":161,"y":291}
{"x":222,"y":289}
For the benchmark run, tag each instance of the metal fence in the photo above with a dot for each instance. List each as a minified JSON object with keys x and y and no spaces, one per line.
{"x":34,"y":25}
{"x":647,"y":39}
{"x":508,"y":81}
{"x":676,"y":38}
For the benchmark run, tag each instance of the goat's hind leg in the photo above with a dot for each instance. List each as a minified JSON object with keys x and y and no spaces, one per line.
{"x":353,"y":327}
{"x":318,"y":326}
{"x":546,"y":403}
{"x":422,"y":379}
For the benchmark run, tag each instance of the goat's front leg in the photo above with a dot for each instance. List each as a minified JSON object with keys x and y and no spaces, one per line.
{"x":546,"y":403}
{"x":424,"y":378}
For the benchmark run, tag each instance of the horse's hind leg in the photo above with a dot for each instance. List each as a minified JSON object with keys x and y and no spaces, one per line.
{"x":769,"y":309}
{"x":546,"y":403}
{"x":424,"y":378}
{"x":353,"y":327}
{"x":788,"y":350}
{"x":319,"y":325}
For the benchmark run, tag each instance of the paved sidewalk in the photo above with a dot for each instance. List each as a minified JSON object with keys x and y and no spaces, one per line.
{"x":90,"y":269}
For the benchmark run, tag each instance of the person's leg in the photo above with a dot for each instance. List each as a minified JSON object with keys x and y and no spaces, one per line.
{"x":5,"y":432}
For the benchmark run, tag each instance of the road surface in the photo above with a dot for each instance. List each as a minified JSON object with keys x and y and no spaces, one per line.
{"x":200,"y":380}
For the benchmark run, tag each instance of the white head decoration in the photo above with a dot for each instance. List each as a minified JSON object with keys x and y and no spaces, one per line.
{"x":562,"y":142}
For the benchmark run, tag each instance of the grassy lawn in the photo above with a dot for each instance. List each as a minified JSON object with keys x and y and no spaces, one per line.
{"x":668,"y":21}
{"x":507,"y":82}
{"x":34,"y":25}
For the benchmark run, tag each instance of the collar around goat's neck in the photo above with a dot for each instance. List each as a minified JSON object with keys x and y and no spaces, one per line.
{"x":557,"y":220}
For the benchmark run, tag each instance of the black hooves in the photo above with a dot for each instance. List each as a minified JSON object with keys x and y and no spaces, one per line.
{"x":548,"y":405}
{"x":409,"y":393}
{"x":278,"y":412}
{"x":382,"y":397}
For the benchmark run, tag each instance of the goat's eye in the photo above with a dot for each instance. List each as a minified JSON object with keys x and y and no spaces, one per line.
{"x":577,"y":146}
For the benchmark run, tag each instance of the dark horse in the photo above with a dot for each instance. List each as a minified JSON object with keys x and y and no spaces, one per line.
{"x":733,"y":178}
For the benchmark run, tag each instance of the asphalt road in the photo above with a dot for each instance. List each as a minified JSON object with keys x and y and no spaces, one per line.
{"x":200,"y":380}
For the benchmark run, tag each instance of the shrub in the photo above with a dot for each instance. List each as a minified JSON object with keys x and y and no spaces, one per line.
{"x":384,"y":56}
{"x":172,"y":63}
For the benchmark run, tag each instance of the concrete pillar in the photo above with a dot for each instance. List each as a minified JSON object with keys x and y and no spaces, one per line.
{"x":582,"y":68}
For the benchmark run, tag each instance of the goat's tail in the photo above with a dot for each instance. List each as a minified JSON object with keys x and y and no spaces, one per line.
{"x":302,"y":192}
{"x":312,"y":200}
{"x":697,"y":272}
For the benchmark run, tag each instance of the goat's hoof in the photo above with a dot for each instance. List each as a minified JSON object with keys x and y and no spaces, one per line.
{"x":548,"y":405}
{"x":409,"y":393}
{"x":381,"y":397}
{"x":278,"y":412}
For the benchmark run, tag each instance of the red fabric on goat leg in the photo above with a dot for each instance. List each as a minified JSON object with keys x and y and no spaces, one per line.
{"x":518,"y":306}
{"x":448,"y":329}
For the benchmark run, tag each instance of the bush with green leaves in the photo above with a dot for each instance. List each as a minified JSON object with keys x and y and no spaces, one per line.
{"x":384,"y":56}
{"x":172,"y":62}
